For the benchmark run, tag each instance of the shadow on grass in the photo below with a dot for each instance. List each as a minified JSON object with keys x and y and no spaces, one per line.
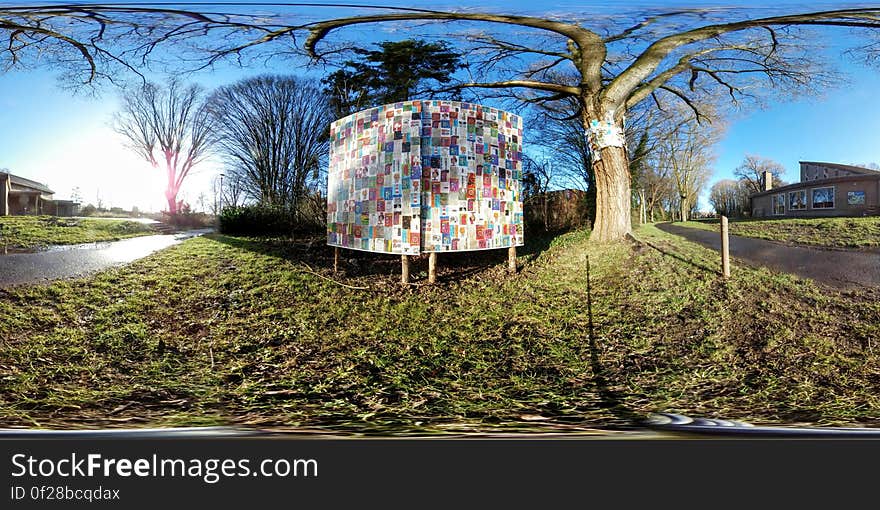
{"x":683,"y":259}
{"x":609,"y":399}
{"x":313,"y":250}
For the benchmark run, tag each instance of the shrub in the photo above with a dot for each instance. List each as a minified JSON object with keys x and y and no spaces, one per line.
{"x":257,"y":220}
{"x":188,"y":219}
{"x":128,"y":227}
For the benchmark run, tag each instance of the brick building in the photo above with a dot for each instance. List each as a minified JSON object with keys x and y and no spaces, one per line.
{"x":825,"y":189}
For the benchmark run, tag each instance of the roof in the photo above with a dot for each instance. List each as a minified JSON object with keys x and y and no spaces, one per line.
{"x":21,"y":181}
{"x":838,"y":166}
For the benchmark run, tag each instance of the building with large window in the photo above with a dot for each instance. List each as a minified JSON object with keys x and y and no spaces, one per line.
{"x":825,"y":189}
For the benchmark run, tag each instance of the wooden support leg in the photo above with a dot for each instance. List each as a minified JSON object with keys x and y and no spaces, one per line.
{"x":432,"y":267}
{"x":335,"y":259}
{"x":404,"y":269}
{"x":511,"y":259}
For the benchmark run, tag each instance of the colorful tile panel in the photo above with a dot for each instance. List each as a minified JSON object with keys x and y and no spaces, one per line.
{"x":425,"y":176}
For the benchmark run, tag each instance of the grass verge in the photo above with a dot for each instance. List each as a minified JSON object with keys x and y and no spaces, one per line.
{"x":827,"y":232}
{"x":33,"y":232}
{"x":221,"y":330}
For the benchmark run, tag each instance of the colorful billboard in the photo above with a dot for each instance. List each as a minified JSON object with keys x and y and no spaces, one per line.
{"x":425,"y":176}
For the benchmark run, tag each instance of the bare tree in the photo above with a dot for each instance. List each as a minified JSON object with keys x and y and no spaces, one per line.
{"x":725,"y":55}
{"x":686,"y":153}
{"x":93,"y":43}
{"x":681,"y":54}
{"x":559,"y":131}
{"x":537,"y":176}
{"x":651,"y":124}
{"x":658,"y":189}
{"x":228,"y":191}
{"x":169,"y":127}
{"x":562,"y":139}
{"x":272,"y":130}
{"x":670,"y":154}
{"x":76,"y":194}
{"x":729,"y":197}
{"x":752,"y":169}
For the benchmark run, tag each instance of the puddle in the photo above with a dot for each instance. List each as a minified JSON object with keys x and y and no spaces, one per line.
{"x":100,"y":245}
{"x":75,"y":260}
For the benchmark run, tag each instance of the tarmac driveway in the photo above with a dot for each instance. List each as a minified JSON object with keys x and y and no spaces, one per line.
{"x":839,"y":268}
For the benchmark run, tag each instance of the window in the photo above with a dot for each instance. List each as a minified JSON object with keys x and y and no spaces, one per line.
{"x":797,"y":200}
{"x":855,"y":198}
{"x":778,"y":204}
{"x":823,"y":198}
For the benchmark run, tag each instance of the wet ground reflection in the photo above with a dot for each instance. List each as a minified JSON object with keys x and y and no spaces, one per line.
{"x":75,"y":260}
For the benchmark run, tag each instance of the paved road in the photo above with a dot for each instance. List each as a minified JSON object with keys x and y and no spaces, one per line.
{"x":845,"y":269}
{"x":81,"y":259}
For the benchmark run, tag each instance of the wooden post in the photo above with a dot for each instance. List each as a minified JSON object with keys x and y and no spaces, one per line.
{"x":511,"y":259}
{"x":725,"y":249}
{"x":336,"y":259}
{"x":404,"y":269}
{"x":432,"y":267}
{"x":643,"y":216}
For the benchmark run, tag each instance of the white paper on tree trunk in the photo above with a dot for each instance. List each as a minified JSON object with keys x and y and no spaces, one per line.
{"x":604,"y":133}
{"x":425,"y":176}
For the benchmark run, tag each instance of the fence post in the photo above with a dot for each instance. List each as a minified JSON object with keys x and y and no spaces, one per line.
{"x":511,"y":259}
{"x":432,"y":267}
{"x":725,"y":249}
{"x":404,"y":269}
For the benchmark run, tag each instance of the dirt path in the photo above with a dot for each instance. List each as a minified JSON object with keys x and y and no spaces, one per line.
{"x":81,"y":259}
{"x":833,"y":267}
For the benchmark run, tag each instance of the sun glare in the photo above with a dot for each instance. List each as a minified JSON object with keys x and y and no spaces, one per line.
{"x":104,"y":170}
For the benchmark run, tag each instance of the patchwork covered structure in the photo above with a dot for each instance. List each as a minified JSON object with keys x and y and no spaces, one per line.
{"x":425,"y":176}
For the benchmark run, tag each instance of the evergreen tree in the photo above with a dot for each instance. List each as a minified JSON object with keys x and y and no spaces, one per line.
{"x":396,"y":71}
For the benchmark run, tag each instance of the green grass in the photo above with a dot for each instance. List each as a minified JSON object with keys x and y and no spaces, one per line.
{"x":221,"y":330}
{"x":827,"y":232}
{"x":31,"y":232}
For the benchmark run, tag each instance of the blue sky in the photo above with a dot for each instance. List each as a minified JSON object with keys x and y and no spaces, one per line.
{"x":52,"y":136}
{"x":65,"y":140}
{"x":842,"y":126}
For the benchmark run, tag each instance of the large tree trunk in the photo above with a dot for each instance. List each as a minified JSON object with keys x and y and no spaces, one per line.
{"x":613,"y":195}
{"x":171,"y":188}
{"x":172,"y":202}
{"x":643,"y":210}
{"x":611,"y":170}
{"x":591,"y":196}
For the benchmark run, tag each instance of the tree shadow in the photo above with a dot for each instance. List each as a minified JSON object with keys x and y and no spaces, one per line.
{"x":538,"y":242}
{"x":678,"y":257}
